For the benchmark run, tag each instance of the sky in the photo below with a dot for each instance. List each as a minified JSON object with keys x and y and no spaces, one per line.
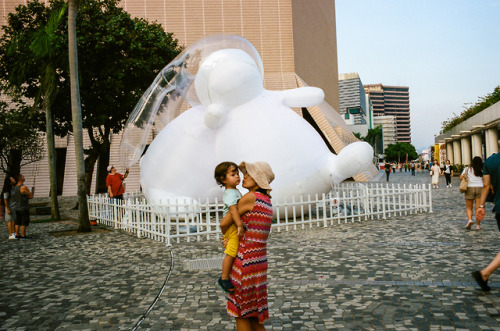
{"x":446,"y":51}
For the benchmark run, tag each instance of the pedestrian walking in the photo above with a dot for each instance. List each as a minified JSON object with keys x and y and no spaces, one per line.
{"x":474,"y":173}
{"x":448,"y":172}
{"x":435,"y":172}
{"x":387,"y":169}
{"x":491,"y":178}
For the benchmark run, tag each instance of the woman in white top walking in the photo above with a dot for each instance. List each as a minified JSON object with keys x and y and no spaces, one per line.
{"x":474,"y":173}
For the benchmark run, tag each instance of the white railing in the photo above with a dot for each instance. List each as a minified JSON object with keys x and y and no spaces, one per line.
{"x":347,"y":202}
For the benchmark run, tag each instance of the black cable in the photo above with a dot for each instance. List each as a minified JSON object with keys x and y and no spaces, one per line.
{"x":143,"y":317}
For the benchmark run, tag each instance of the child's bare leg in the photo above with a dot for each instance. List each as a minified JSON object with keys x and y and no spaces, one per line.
{"x":227,"y":264}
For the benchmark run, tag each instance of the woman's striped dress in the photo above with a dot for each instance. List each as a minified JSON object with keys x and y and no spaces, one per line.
{"x":249,"y":272}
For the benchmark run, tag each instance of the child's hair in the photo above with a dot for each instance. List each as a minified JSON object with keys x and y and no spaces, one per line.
{"x":221,"y":171}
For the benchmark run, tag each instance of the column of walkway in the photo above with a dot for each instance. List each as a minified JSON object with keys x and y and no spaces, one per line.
{"x":462,"y":149}
{"x":475,"y":136}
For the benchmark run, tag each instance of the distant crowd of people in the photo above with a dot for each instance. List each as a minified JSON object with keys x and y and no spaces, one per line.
{"x":411,"y":167}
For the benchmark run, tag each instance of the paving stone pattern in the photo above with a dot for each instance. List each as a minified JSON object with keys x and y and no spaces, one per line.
{"x":403,"y":273}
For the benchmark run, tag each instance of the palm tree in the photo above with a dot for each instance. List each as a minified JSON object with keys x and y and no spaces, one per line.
{"x":76,"y":114}
{"x":373,"y":136}
{"x":42,"y":48}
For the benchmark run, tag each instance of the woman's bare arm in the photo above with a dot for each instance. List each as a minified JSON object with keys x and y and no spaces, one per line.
{"x":246,"y":203}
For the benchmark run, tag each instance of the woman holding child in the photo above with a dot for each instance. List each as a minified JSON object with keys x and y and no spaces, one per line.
{"x":248,"y":302}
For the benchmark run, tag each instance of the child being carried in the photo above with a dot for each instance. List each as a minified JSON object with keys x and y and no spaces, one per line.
{"x":226,"y":174}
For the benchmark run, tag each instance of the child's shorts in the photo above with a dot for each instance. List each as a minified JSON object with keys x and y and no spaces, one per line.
{"x":233,"y":241}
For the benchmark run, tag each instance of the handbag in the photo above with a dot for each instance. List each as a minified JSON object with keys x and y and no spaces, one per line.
{"x":431,"y":173}
{"x":464,"y":182}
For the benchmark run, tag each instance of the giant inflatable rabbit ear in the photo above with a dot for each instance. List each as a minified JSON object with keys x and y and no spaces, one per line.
{"x":162,"y":101}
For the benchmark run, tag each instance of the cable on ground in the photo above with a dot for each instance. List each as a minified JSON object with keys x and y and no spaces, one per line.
{"x":143,"y":317}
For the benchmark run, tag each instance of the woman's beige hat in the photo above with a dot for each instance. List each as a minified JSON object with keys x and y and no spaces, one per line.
{"x":260,"y":172}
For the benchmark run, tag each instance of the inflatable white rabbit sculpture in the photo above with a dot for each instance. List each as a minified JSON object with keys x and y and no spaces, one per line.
{"x":238,"y":120}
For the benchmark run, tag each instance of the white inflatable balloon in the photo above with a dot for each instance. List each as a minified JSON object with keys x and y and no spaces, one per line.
{"x":238,"y":120}
{"x":162,"y":101}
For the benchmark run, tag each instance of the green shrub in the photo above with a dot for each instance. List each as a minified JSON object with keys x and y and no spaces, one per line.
{"x":457,"y":169}
{"x":480,"y":105}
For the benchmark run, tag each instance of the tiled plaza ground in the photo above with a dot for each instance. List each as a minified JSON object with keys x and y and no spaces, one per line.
{"x":403,"y":273}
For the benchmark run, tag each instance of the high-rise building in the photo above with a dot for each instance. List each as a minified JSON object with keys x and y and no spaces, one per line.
{"x":352,"y":99}
{"x":388,"y":124}
{"x":394,"y":101}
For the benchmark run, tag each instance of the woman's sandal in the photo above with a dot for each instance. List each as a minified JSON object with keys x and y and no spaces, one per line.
{"x":469,"y":224}
{"x":480,"y":281}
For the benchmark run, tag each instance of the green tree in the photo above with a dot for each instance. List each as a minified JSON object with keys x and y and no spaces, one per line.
{"x":20,"y":143}
{"x":374,"y":138}
{"x":397,"y":152}
{"x":358,"y":135}
{"x":119,"y":57}
{"x":42,"y":50}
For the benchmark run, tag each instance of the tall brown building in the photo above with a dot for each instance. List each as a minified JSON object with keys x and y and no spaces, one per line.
{"x":296,"y":40}
{"x":394,"y":101}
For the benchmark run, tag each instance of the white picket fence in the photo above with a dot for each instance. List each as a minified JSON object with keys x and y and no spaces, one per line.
{"x":347,"y":202}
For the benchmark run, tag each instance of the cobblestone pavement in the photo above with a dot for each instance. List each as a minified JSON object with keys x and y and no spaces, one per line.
{"x":406,"y":272}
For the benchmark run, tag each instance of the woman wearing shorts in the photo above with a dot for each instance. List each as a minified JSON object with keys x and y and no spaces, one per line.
{"x":474,"y":173}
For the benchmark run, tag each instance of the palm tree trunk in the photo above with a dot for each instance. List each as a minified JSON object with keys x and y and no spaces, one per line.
{"x":51,"y":151}
{"x":76,"y":113}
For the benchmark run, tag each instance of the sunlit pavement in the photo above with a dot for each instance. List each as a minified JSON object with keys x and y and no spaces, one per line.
{"x":406,"y":272}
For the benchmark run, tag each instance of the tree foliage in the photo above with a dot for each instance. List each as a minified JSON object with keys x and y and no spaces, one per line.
{"x":373,"y":137}
{"x":20,"y":143}
{"x":479,"y":106}
{"x":118,"y":57}
{"x":398,"y":151}
{"x":358,"y":135}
